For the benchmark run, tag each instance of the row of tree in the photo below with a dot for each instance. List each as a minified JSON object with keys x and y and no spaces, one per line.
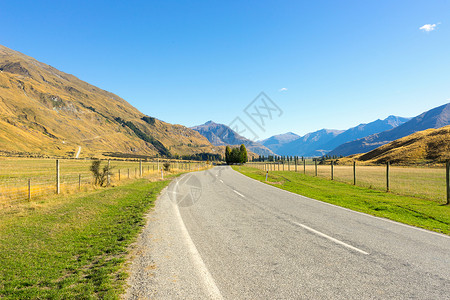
{"x":236,"y":155}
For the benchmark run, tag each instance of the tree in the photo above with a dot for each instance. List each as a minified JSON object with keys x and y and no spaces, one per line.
{"x":228,"y":155}
{"x":243,"y":152}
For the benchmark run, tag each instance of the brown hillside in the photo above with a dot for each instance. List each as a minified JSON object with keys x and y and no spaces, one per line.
{"x":48,"y":112}
{"x":428,"y":146}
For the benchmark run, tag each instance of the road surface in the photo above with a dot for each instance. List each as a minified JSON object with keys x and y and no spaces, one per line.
{"x":218,"y":234}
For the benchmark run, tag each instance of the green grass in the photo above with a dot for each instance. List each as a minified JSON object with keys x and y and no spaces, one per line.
{"x":73,"y":246}
{"x":409,"y":210}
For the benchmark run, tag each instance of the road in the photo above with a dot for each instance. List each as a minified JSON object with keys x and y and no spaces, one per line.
{"x":218,"y":234}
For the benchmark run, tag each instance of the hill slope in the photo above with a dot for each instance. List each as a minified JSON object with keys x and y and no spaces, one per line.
{"x":221,"y":135}
{"x":434,"y":118}
{"x":47,"y":112}
{"x":431,"y":145}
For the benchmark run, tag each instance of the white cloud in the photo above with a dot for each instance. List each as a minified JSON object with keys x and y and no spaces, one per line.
{"x":283,"y":89}
{"x":429,"y":27}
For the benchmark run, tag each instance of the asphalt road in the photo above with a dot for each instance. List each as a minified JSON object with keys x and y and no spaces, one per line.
{"x":217,"y":234}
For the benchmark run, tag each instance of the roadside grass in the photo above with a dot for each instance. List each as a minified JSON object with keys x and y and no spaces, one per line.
{"x":72,"y":246}
{"x":418,"y":212}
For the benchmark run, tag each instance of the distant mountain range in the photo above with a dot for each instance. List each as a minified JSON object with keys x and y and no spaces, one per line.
{"x":44,"y":111}
{"x":221,"y":135}
{"x":323,"y":141}
{"x":434,"y":118}
{"x":430,"y":145}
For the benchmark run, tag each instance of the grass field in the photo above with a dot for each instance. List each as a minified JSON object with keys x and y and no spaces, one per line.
{"x":422,"y":182}
{"x":74,"y":246}
{"x":414,"y":211}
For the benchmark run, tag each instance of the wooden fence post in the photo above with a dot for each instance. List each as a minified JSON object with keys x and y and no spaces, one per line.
{"x":119,"y":174}
{"x":354,"y":172}
{"x":295,"y":164}
{"x":140,"y":168}
{"x":315,"y":165}
{"x":128,"y":173}
{"x":29,"y":189}
{"x":332,"y":170}
{"x":304,"y":166}
{"x":387,"y":176}
{"x":58,"y":190}
{"x":447,"y":179}
{"x":108,"y":177}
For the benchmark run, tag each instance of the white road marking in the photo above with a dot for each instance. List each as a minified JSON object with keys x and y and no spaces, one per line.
{"x":239,"y":194}
{"x":331,"y":238}
{"x":208,"y":280}
{"x":221,"y":180}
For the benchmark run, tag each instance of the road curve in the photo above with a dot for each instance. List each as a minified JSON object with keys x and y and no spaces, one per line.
{"x":220,"y":235}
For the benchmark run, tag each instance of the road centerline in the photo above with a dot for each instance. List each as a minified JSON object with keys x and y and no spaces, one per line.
{"x":330,"y":238}
{"x":239,"y":193}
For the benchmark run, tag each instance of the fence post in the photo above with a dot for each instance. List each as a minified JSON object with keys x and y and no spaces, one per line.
{"x":108,"y":177}
{"x":267,"y":174}
{"x":135,"y":172}
{"x":140,"y":168}
{"x":447,"y":179}
{"x":315,"y":165}
{"x":295,"y":164}
{"x":79,"y":181}
{"x":304,"y":166}
{"x":162,"y":174}
{"x":29,"y":189}
{"x":128,"y":173}
{"x":387,"y":176}
{"x":354,"y":172}
{"x":332,"y":170}
{"x":119,"y":174}
{"x":58,"y":190}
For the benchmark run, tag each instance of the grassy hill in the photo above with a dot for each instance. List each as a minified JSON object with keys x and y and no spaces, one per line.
{"x":427,"y":146}
{"x":44,"y":111}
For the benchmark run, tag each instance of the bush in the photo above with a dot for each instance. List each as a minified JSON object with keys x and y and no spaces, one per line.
{"x":100,"y":175}
{"x":166,"y":166}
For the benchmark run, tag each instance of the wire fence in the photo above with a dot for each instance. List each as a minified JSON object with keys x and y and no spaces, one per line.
{"x":429,"y":183}
{"x":23,"y":179}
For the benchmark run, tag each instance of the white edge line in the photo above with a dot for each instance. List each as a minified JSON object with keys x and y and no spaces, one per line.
{"x":239,"y":194}
{"x":221,"y":180}
{"x":208,"y":280}
{"x":331,"y":238}
{"x":353,"y":211}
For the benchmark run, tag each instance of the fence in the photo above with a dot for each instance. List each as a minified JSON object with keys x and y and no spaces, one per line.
{"x":26,"y":179}
{"x":430,"y":183}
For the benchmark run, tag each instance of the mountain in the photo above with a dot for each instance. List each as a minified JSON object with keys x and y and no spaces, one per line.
{"x":363,"y":130}
{"x":324,"y":141}
{"x":311,"y":144}
{"x":427,"y":146}
{"x":275,"y":142}
{"x":221,"y":135}
{"x":44,"y":111}
{"x":434,"y":118}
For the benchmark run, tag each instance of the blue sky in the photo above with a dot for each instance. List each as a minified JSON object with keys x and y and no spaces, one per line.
{"x":326,"y":64}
